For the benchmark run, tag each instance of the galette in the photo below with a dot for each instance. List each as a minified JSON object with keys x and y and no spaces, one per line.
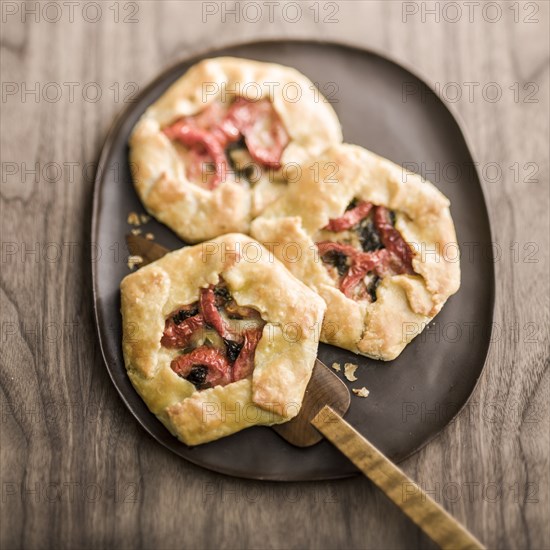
{"x":218,"y":146}
{"x":218,"y":337}
{"x":377,"y":243}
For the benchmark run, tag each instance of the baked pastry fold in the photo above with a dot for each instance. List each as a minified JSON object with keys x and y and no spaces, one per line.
{"x":260,"y":289}
{"x":191,"y":151}
{"x":413,"y":277}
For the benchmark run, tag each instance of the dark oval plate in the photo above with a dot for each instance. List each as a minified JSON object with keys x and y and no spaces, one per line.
{"x":385,"y":108}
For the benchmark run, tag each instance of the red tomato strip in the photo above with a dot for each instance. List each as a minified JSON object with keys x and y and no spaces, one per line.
{"x":207,"y":305}
{"x":244,"y":364}
{"x":350,"y":217}
{"x":216,"y":368}
{"x":393,"y":241}
{"x":262,"y":128}
{"x":332,"y":246}
{"x":219,"y":369}
{"x":178,"y":336}
{"x":395,"y":258}
{"x":363,"y":263}
{"x":209,"y":132}
{"x":198,"y":138}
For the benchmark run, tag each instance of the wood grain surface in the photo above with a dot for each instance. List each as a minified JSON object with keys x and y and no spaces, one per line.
{"x":421,"y":508}
{"x":76,"y":469}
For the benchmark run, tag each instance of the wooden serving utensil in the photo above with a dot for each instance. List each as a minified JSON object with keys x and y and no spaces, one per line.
{"x":325,"y":402}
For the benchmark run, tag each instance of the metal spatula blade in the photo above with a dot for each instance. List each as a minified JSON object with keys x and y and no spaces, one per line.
{"x":149,"y":251}
{"x":324,"y":388}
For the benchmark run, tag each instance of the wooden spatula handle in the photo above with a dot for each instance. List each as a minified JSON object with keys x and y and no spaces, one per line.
{"x":438,"y":524}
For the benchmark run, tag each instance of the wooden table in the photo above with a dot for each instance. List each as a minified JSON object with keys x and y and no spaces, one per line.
{"x":77,"y":470}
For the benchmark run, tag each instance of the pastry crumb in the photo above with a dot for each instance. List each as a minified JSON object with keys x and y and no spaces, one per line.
{"x":136,"y":231}
{"x":137,"y":219}
{"x":133,"y":261}
{"x":349,"y":371}
{"x":336,"y":367}
{"x":149,"y":236}
{"x":361,"y":392}
{"x":133,"y":219}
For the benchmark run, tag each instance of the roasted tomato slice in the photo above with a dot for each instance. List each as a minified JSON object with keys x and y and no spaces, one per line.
{"x":262,"y":128}
{"x":244,"y":365}
{"x":178,"y":335}
{"x":218,"y":367}
{"x":350,"y":218}
{"x":353,"y":265}
{"x":393,"y":241}
{"x":331,"y":246}
{"x":207,"y":304}
{"x":214,"y":119}
{"x":208,"y":133}
{"x":230,"y":359}
{"x":205,"y":141}
{"x":362,"y":264}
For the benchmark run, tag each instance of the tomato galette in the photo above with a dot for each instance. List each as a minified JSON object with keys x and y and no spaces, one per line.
{"x":214,"y":150}
{"x":219,"y":337}
{"x":377,"y":243}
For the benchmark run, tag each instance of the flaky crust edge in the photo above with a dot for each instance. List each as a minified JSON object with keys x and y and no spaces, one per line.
{"x":196,"y":214}
{"x":405,"y":303}
{"x":283,"y":363}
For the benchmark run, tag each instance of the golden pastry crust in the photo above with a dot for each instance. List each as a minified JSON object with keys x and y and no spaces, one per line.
{"x":404,"y":303}
{"x":283,"y":360}
{"x":159,"y":175}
